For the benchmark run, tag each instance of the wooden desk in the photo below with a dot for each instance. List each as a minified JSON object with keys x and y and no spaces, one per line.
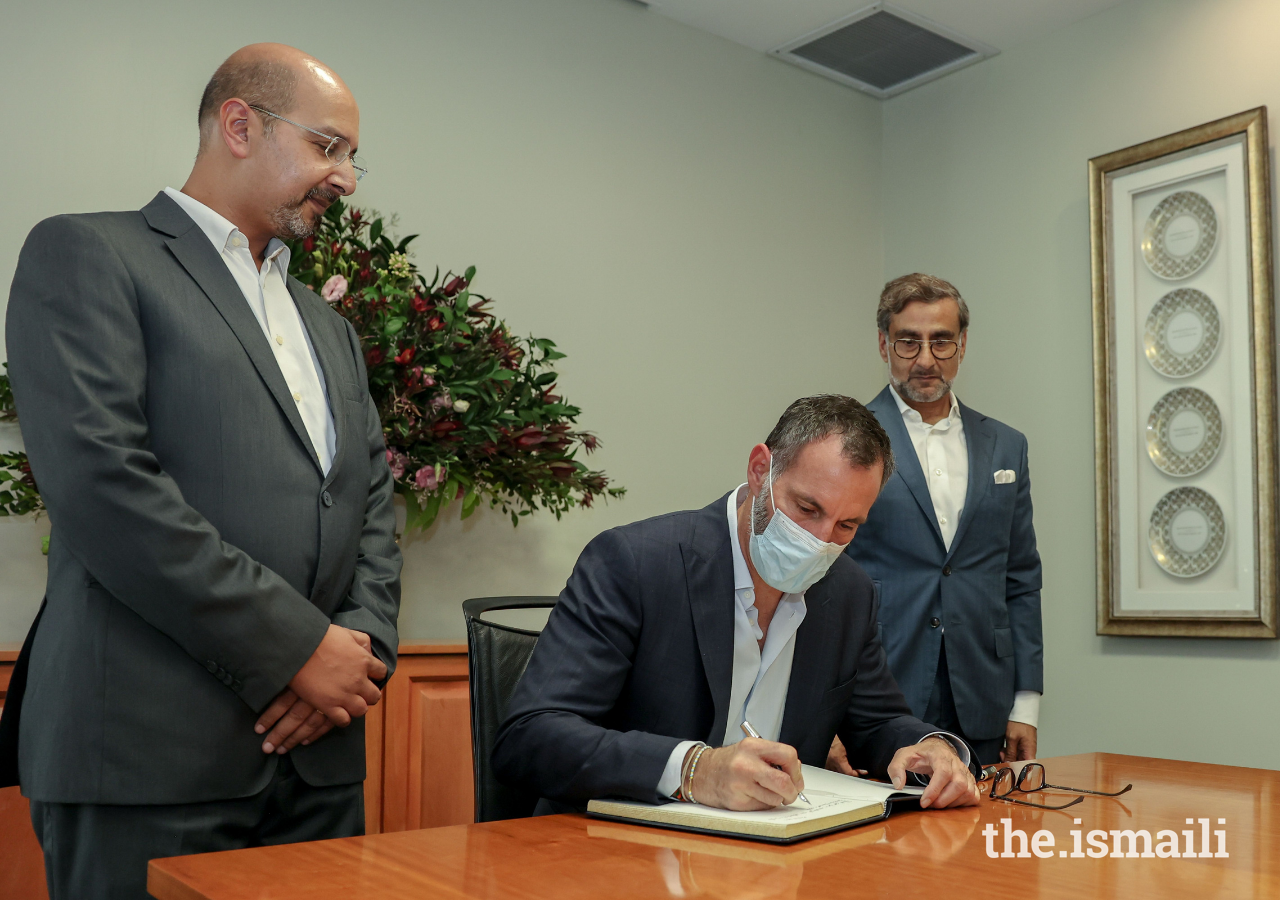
{"x":921,"y":854}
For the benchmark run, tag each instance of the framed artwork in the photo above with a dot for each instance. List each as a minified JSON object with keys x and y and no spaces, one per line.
{"x":1184,"y":383}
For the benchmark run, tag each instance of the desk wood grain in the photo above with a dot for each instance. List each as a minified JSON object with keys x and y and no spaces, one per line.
{"x":912,"y":855}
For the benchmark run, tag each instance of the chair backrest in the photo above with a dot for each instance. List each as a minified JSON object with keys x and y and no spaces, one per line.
{"x":496,"y":658}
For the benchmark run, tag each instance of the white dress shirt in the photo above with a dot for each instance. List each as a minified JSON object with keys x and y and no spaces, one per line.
{"x":267,"y":293}
{"x":944,"y":457}
{"x":761,"y":675}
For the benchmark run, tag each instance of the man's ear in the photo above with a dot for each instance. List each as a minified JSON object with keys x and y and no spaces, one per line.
{"x":964,"y":340}
{"x":758,"y":468}
{"x":234,"y":126}
{"x":884,"y":346}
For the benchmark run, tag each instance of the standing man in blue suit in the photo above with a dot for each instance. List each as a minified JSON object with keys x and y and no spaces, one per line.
{"x":950,"y":544}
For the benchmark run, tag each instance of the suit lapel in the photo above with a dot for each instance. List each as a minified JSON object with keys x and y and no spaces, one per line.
{"x":709,"y":580}
{"x":808,"y":683}
{"x":980,"y":440}
{"x":328,"y":352}
{"x":191,"y":247}
{"x":904,"y":455}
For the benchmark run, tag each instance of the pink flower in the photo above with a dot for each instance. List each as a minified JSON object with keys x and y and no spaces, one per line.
{"x":334,"y":289}
{"x":442,"y":400}
{"x":397,"y":461}
{"x":426,"y":478}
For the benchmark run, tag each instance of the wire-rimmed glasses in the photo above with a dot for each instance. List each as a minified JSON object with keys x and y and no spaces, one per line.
{"x":337,"y":152}
{"x":1032,"y":779}
{"x":909,"y":348}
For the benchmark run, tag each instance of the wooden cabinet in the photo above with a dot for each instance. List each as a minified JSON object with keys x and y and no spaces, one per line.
{"x":21,"y":863}
{"x":418,"y":741}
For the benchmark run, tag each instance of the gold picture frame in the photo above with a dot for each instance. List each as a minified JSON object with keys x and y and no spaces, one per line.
{"x":1136,"y":187}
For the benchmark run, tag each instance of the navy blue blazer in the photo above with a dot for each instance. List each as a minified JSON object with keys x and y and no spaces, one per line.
{"x":638,"y":656}
{"x":985,"y":592}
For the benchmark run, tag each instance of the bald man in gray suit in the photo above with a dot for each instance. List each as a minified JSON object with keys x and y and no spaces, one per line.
{"x":223,"y":574}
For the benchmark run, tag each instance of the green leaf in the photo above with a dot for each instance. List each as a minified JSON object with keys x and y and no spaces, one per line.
{"x":394,"y":326}
{"x":375,"y":231}
{"x":446,"y":361}
{"x":469,"y":503}
{"x":545,"y":378}
{"x":470,"y":273}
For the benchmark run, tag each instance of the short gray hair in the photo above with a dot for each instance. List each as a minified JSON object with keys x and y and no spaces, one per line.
{"x":917,"y":287}
{"x":864,"y":441}
{"x":270,"y":85}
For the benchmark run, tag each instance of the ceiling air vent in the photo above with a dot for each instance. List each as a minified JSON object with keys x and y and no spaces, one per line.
{"x":884,"y":51}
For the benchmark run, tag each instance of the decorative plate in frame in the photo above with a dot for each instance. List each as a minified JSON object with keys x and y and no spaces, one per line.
{"x":1184,"y":432}
{"x":1187,"y":533}
{"x":1180,"y":235}
{"x":1182,"y":333}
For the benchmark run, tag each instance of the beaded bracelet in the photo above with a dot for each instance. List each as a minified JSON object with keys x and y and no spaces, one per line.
{"x":693,"y":767}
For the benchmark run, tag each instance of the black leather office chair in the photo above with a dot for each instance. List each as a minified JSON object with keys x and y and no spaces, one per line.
{"x":496,"y":657}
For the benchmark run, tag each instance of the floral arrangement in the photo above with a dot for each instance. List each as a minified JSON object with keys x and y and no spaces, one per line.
{"x":468,"y":409}
{"x":18,"y":493}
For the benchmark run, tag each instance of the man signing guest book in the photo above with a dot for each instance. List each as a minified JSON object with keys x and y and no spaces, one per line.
{"x":223,"y":574}
{"x":674,"y":632}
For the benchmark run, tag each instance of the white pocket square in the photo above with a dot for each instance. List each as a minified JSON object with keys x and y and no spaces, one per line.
{"x":1006,"y":476}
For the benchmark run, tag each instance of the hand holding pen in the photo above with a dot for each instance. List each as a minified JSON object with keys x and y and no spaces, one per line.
{"x":750,"y":731}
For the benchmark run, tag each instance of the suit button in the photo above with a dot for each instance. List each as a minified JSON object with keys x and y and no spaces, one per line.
{"x":946,"y":570}
{"x":935,"y":622}
{"x":326,"y":499}
{"x":211,"y":666}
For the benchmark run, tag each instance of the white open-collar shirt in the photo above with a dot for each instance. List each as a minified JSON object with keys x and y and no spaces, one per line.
{"x":267,"y":292}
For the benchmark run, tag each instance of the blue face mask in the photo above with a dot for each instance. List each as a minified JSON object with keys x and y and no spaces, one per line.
{"x":787,"y":557}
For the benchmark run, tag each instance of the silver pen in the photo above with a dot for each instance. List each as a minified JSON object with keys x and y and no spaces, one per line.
{"x":750,"y":731}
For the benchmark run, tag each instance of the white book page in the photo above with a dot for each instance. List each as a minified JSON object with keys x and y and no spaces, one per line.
{"x":829,"y":793}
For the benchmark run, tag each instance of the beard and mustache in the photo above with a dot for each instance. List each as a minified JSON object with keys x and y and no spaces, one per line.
{"x":289,"y":222}
{"x":905,"y":389}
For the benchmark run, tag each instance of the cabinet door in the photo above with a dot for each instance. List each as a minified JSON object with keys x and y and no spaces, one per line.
{"x":426,"y":751}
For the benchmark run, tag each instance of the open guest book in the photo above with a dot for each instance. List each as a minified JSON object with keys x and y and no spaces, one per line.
{"x":835,"y":802}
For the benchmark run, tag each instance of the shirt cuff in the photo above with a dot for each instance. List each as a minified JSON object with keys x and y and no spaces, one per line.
{"x":669,"y":783}
{"x":961,"y":748}
{"x":1026,"y":708}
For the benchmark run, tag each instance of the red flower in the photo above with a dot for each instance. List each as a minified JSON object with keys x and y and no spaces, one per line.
{"x":420,"y":303}
{"x":445,"y":426}
{"x":435,"y":323}
{"x":355,"y":215}
{"x":406,"y":355}
{"x":366,"y":274}
{"x":563,"y":469}
{"x":335,"y":248}
{"x":454,"y":285}
{"x":529,"y":437}
{"x":374,"y":356}
{"x":309,"y":244}
{"x":590,"y":442}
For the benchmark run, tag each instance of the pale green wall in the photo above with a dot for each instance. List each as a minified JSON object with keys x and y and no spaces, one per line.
{"x":697,"y":226}
{"x":985,"y":184}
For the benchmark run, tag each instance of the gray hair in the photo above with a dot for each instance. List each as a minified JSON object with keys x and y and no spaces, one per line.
{"x":270,"y":85}
{"x":864,"y":442}
{"x":917,"y":287}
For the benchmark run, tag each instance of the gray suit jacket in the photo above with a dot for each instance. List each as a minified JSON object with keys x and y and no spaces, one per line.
{"x":985,"y":591}
{"x":638,"y":656}
{"x":198,"y":552}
